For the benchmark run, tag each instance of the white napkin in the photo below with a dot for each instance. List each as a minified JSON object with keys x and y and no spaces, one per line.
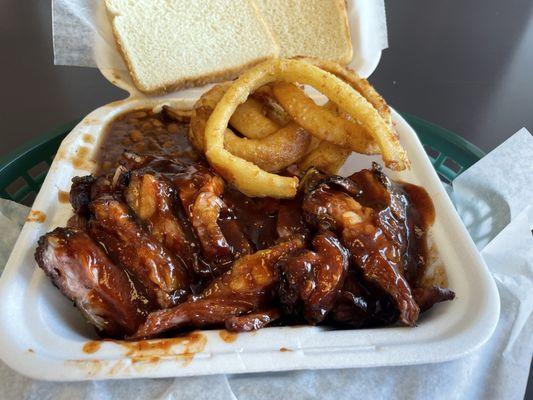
{"x":498,"y":370}
{"x":495,"y":190}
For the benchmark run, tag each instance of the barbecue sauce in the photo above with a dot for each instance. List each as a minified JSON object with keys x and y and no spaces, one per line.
{"x":404,"y":211}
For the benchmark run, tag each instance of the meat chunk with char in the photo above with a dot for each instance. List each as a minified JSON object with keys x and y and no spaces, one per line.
{"x":83,"y":272}
{"x":85,"y":189}
{"x":166,"y":279}
{"x":404,"y":212}
{"x":199,"y":194}
{"x":427,"y":297}
{"x":80,"y":194}
{"x":384,"y":226}
{"x":253,"y":321}
{"x":371,"y":250}
{"x":360,"y":305}
{"x":249,"y":285}
{"x":254,"y":276}
{"x":353,"y":307}
{"x":311,"y":281}
{"x":154,"y":202}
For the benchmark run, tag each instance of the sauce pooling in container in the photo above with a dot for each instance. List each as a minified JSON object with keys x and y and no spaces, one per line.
{"x":143,"y":132}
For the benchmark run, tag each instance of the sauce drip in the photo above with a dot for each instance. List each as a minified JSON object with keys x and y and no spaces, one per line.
{"x":63,"y":197}
{"x":36,"y":216}
{"x":183,"y":348}
{"x":227,"y":336}
{"x":81,"y":159}
{"x":91,"y":347}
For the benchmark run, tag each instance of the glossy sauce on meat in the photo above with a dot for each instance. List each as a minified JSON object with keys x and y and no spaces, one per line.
{"x":381,"y":226}
{"x":256,"y":217}
{"x":155,"y":134}
{"x":347,"y":252}
{"x":409,"y":201}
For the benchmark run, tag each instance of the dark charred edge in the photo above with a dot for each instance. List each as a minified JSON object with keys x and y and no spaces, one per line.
{"x":287,"y":295}
{"x":377,"y":170}
{"x":344,"y":185}
{"x":313,"y":179}
{"x":375,"y":307}
{"x":428,"y":297}
{"x":80,"y":194}
{"x":310,"y":180}
{"x":42,"y":244}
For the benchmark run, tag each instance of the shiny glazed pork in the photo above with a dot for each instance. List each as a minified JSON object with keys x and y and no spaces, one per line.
{"x":161,"y":245}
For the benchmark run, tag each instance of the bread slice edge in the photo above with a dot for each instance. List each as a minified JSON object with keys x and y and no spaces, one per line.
{"x":200,"y":80}
{"x":347,"y":57}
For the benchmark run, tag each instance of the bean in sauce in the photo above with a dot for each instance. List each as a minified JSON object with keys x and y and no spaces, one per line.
{"x":144,"y":132}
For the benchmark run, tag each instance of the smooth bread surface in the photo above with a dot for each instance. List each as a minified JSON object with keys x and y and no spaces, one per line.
{"x":171,"y":44}
{"x":312,"y":28}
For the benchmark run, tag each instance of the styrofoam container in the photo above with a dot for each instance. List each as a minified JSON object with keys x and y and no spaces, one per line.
{"x":44,"y":337}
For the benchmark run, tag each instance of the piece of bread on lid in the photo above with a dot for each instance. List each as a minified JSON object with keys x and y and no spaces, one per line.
{"x":173,"y":44}
{"x":311,"y":28}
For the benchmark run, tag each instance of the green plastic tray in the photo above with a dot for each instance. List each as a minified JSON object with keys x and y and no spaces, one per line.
{"x":22,"y":172}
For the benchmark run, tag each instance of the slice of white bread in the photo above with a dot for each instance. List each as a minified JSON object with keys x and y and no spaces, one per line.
{"x":173,"y":44}
{"x":313,"y":28}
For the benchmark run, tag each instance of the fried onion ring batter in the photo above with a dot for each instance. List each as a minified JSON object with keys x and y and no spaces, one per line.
{"x":249,"y":178}
{"x":327,"y":157}
{"x":251,"y":121}
{"x":354,"y":80}
{"x":272,"y":153}
{"x":323,"y":122}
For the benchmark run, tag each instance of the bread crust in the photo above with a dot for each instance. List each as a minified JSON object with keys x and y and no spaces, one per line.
{"x":200,"y":80}
{"x":346,"y":58}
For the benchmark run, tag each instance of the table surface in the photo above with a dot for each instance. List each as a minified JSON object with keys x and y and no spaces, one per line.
{"x":465,"y":65}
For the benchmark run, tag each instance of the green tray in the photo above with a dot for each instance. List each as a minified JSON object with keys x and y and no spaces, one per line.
{"x":22,"y":172}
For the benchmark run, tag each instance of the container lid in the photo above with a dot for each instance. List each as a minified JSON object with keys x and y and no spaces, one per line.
{"x":368,"y":31}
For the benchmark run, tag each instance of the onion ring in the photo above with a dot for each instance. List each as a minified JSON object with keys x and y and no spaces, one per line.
{"x":321,"y":122}
{"x":201,"y":112}
{"x":250,"y":121}
{"x":273,"y":153}
{"x":327,"y":157}
{"x":274,"y":111}
{"x":354,"y":80}
{"x":254,"y":181}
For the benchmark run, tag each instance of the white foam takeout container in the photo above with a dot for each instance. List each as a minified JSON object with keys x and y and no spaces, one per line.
{"x":44,"y":337}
